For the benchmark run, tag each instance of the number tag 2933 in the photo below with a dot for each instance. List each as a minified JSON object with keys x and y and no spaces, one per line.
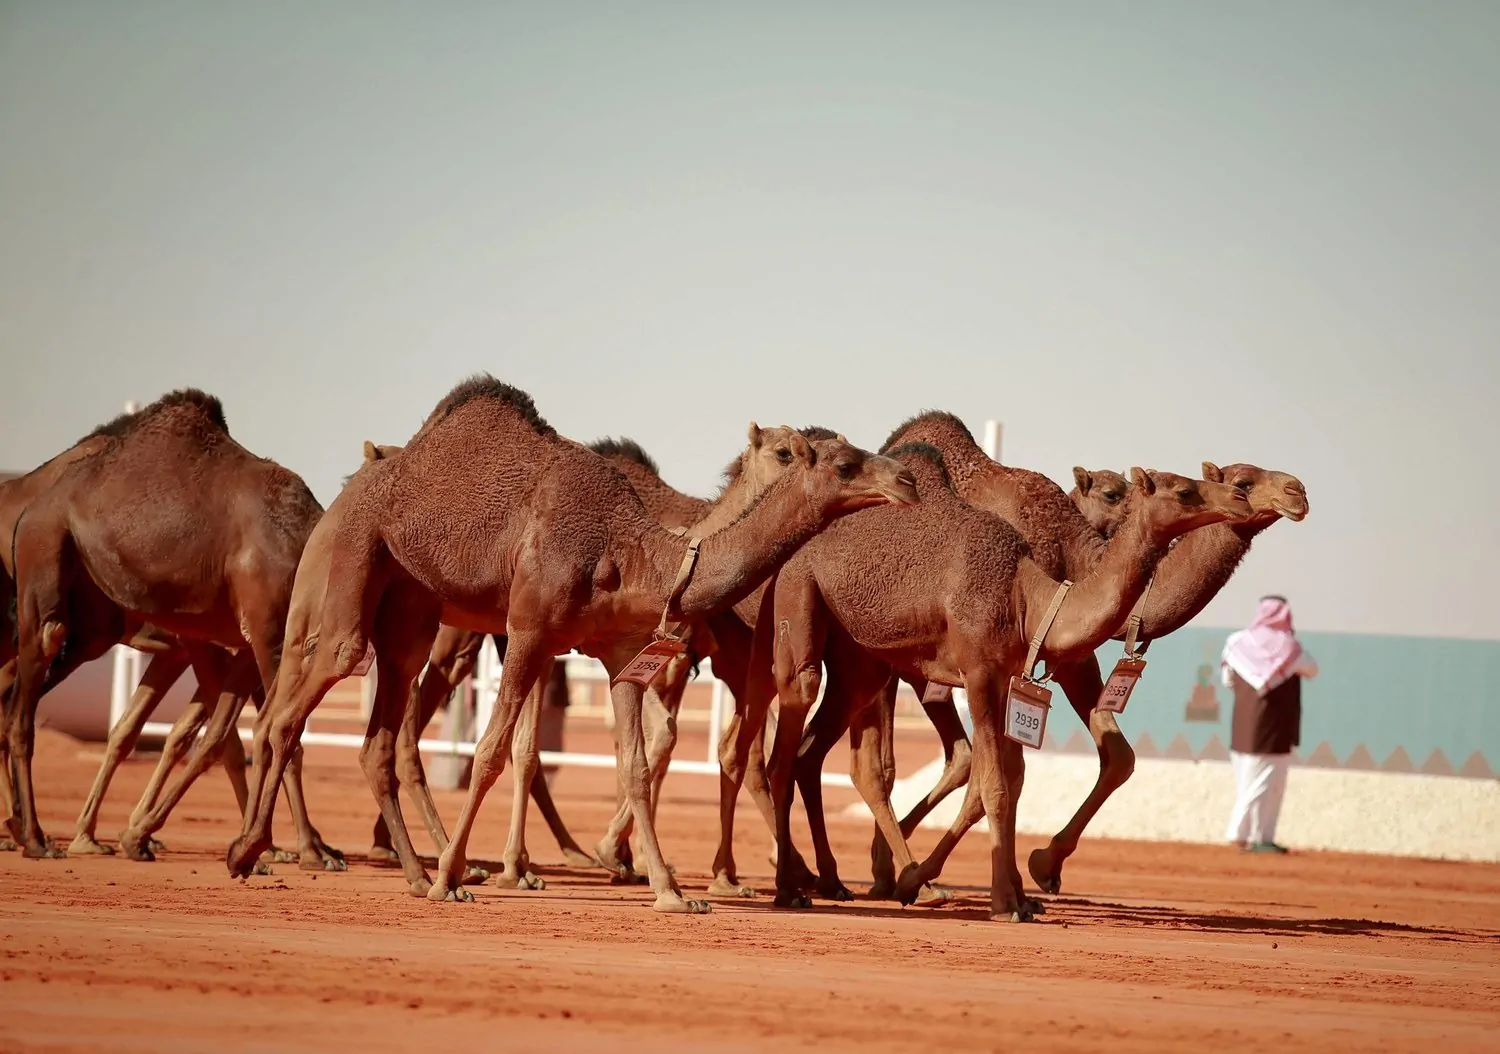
{"x":1120,"y":684}
{"x":652,"y":660}
{"x":1026,"y":706}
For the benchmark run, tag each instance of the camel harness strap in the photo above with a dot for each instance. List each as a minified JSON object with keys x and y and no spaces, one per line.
{"x":1041,"y":635}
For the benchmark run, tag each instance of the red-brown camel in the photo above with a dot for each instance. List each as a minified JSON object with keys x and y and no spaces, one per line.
{"x":1100,"y":496}
{"x":946,"y":592}
{"x":169,"y":522}
{"x":768,"y":454}
{"x":1064,"y":545}
{"x":558,"y":553}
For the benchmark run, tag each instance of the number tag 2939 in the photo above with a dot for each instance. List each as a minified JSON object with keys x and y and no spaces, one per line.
{"x":652,"y":660}
{"x":1026,"y":706}
{"x":1120,"y":684}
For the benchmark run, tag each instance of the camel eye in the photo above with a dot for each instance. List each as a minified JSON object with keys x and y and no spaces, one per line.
{"x":784,"y":456}
{"x":847,"y":470}
{"x":1184,"y":494}
{"x":1111,"y":497}
{"x":1244,"y":484}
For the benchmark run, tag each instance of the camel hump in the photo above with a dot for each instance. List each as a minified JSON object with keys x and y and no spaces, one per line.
{"x":623,"y":449}
{"x":206,"y":409}
{"x":484,"y":388}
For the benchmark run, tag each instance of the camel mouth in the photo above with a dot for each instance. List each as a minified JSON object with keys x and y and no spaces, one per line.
{"x":901,"y":492}
{"x":1295,"y":513}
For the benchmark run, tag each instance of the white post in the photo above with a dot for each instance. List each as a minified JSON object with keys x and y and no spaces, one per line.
{"x":992,"y":439}
{"x":486,"y":684}
{"x":119,"y":684}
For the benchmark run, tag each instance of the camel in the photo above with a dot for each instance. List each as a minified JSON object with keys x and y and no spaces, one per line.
{"x":454,"y":652}
{"x":559,"y":554}
{"x":1100,"y":496}
{"x":1064,"y":545}
{"x":955,"y":605}
{"x":168,"y":522}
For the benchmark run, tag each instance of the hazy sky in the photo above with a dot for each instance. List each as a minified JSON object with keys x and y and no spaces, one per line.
{"x":1135,"y":233}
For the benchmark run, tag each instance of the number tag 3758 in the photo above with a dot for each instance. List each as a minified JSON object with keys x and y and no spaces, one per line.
{"x":1120,"y":684}
{"x":652,"y":660}
{"x":1026,"y":706}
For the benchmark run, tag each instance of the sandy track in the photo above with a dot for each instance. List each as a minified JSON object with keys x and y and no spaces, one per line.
{"x":1152,"y":947}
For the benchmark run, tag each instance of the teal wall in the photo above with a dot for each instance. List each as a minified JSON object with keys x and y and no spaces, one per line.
{"x":1418,"y":694}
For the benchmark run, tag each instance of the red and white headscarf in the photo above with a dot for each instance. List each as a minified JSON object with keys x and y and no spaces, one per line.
{"x":1264,"y":654}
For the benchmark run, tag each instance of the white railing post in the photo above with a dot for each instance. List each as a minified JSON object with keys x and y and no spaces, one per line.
{"x":715,"y":721}
{"x":119,"y":684}
{"x":992,"y":440}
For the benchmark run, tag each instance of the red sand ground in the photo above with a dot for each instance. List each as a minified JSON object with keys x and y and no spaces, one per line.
{"x":1151,"y":948}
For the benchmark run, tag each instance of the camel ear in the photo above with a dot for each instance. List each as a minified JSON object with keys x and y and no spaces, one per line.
{"x":372,"y":452}
{"x":1142,"y":479}
{"x":841,"y":438}
{"x":1213,"y":473}
{"x":754,"y":435}
{"x":1082,"y":478}
{"x":801,"y":447}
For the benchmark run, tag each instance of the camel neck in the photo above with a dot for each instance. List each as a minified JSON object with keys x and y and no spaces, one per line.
{"x":1193,"y":572}
{"x":729,"y":506}
{"x":733,"y":561}
{"x":1101,"y":600}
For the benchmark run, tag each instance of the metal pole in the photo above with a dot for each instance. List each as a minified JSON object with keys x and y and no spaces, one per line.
{"x":715,"y":721}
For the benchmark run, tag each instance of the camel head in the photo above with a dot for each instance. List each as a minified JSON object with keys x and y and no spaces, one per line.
{"x":1271,"y":494}
{"x":1172,"y":505}
{"x":1100,"y":495}
{"x":770,"y":453}
{"x":843,"y":478}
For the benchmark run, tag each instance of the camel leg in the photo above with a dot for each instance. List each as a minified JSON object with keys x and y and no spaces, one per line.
{"x":525,"y":660}
{"x":161,"y":673}
{"x":996,"y":760}
{"x":179,"y":742}
{"x":659,"y":723}
{"x":313,"y":854}
{"x":1082,"y":684}
{"x":239,"y":681}
{"x":823,"y":733}
{"x":233,"y":760}
{"x":450,"y":662}
{"x":738,"y":743}
{"x":526,"y":765}
{"x":958,"y":757}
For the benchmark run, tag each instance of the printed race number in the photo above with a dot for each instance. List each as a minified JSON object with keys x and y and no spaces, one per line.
{"x":1121,"y":683}
{"x":362,"y":668}
{"x":1026,"y":707}
{"x":652,"y":660}
{"x":937,"y":693}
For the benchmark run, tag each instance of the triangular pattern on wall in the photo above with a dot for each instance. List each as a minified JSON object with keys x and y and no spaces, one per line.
{"x":1179,"y":748}
{"x":1213,"y":750}
{"x":1437,"y":764}
{"x":1145,"y":747}
{"x":1079,"y":743}
{"x":1360,"y":759}
{"x":1399,"y":761}
{"x":1323,"y":757}
{"x":1476,"y":767}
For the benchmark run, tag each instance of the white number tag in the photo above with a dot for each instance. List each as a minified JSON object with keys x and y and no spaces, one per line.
{"x":937,"y":693}
{"x":1026,"y":707}
{"x":362,"y":668}
{"x":1120,"y":684}
{"x":652,"y":660}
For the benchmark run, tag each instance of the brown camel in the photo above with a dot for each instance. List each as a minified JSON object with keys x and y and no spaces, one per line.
{"x":946,"y":592}
{"x":1100,"y":496}
{"x":559,"y":554}
{"x":169,"y":522}
{"x":454,"y":652}
{"x":1064,"y":545}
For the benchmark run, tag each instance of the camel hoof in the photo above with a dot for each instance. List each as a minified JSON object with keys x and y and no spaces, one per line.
{"x":420,"y":888}
{"x":441,"y":894}
{"x":8,"y":845}
{"x":723,"y":887}
{"x":1034,"y":906}
{"x":261,"y":868}
{"x":475,"y":876}
{"x":834,"y":890}
{"x":242,"y":857}
{"x":575,"y":858}
{"x":380,"y":854}
{"x":531,"y":880}
{"x":84,"y":845}
{"x":671,"y":903}
{"x":883,"y":889}
{"x":282,"y":856}
{"x":157,"y":846}
{"x":135,"y":847}
{"x":933,"y":896}
{"x":1046,"y":874}
{"x":43,"y":851}
{"x":1021,"y":914}
{"x":794,"y":901}
{"x":909,"y":885}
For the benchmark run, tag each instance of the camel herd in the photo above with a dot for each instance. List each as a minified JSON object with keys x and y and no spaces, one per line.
{"x":819,"y":566}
